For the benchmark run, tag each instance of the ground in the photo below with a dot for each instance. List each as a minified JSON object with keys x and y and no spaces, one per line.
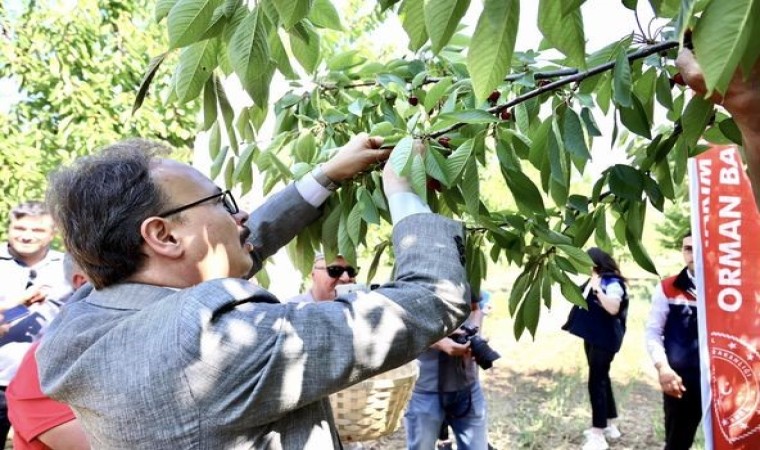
{"x":537,"y":394}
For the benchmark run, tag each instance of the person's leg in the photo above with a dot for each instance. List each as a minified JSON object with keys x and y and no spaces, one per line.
{"x":611,"y":406}
{"x":682,"y":416}
{"x":422,"y":421}
{"x":598,"y":383}
{"x":471,"y":431}
{"x":5,"y":424}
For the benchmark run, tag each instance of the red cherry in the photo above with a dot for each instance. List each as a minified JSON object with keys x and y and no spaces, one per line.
{"x":434,"y":185}
{"x":678,"y":79}
{"x":414,"y":101}
{"x":494,"y":97}
{"x":445,"y":141}
{"x":505,"y":114}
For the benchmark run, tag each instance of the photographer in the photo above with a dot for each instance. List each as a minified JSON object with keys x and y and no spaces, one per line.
{"x":448,"y":390}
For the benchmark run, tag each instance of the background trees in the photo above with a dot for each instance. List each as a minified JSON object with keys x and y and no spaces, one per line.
{"x":76,"y":66}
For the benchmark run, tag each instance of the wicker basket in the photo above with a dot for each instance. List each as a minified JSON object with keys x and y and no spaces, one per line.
{"x":372,"y":408}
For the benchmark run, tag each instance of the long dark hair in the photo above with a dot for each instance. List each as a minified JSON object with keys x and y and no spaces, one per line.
{"x":604,"y":264}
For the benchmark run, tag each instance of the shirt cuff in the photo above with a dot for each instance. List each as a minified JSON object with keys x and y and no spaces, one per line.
{"x":314,"y":193}
{"x":404,"y":204}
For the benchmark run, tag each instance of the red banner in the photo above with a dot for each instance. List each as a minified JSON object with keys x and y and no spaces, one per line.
{"x":726,"y":231}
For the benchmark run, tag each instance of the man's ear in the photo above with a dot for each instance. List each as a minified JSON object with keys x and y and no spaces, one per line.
{"x":158,"y":234}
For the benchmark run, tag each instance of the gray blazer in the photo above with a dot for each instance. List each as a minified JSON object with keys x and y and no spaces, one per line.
{"x":224,"y":365}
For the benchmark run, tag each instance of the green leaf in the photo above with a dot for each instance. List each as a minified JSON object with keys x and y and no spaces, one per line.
{"x":227,"y":114}
{"x":249,"y":53}
{"x":531,"y":306}
{"x":588,"y":120}
{"x":569,"y":289}
{"x":635,"y":118}
{"x":306,"y":50}
{"x":346,"y":60}
{"x":663,"y":92}
{"x":412,"y":13}
{"x":330,"y":229}
{"x":246,"y":159}
{"x":601,"y":237}
{"x":292,"y":11}
{"x":666,"y":8}
{"x":471,"y":188}
{"x":435,"y":166}
{"x":196,"y":63}
{"x":730,"y":130}
{"x":621,"y":86}
{"x":418,"y":177}
{"x":695,"y":118}
{"x":214,"y":141}
{"x":162,"y":9}
{"x":721,"y":37}
{"x":354,"y":223}
{"x":346,"y":246}
{"x":150,"y":73}
{"x":456,"y":161}
{"x":436,"y":92}
{"x":577,"y":255}
{"x":569,"y":6}
{"x":368,"y":208}
{"x":525,"y":192}
{"x":218,"y":162}
{"x":401,"y":158}
{"x":574,"y":139}
{"x":380,"y":250}
{"x":630,"y":4}
{"x":468,"y":116}
{"x":188,"y":20}
{"x":492,"y":45}
{"x":563,"y":32}
{"x":209,"y":104}
{"x":626,"y":182}
{"x":639,"y":253}
{"x":280,"y":57}
{"x":323,"y":14}
{"x":441,"y":20}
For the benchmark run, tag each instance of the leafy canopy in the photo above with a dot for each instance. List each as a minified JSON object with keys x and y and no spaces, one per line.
{"x":475,"y":101}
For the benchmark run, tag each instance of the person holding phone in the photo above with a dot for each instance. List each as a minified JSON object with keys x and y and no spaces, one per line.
{"x":31,"y":283}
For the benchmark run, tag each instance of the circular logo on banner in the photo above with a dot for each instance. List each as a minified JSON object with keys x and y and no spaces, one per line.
{"x":735,"y":383}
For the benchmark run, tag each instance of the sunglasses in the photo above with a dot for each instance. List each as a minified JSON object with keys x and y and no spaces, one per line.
{"x":337,"y":271}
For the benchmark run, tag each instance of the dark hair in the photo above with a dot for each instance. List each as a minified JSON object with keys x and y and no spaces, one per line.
{"x":99,"y":203}
{"x":31,"y":208}
{"x":604,"y":264}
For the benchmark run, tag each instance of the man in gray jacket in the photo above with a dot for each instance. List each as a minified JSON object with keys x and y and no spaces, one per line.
{"x":173,"y":349}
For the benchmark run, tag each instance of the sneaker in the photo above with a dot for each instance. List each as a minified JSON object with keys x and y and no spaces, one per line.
{"x":612,"y":432}
{"x":594,"y":441}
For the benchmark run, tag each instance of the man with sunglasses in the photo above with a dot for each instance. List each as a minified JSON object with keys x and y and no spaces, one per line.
{"x":174,"y":348}
{"x":324,"y":279}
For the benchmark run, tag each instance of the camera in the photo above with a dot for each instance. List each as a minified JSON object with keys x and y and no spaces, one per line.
{"x":482,"y":352}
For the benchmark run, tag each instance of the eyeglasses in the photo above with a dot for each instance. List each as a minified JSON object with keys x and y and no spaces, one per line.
{"x":228,"y":202}
{"x":337,"y":271}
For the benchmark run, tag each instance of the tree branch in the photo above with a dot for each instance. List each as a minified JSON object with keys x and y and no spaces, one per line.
{"x":580,"y":76}
{"x":428,"y":80}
